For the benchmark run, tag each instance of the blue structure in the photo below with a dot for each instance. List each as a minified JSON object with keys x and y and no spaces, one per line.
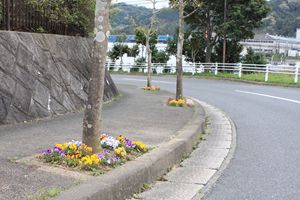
{"x":131,"y":38}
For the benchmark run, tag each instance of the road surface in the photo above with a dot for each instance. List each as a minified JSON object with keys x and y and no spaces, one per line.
{"x":266,"y":164}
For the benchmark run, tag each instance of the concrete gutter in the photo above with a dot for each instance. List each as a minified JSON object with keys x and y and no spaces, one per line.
{"x":222,"y":131}
{"x":129,"y":178}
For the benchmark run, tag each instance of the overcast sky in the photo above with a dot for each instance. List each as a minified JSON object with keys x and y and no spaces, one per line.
{"x":145,"y":3}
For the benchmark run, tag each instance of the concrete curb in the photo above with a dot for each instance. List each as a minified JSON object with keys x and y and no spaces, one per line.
{"x":212,"y":181}
{"x":128,"y":179}
{"x":196,"y":175}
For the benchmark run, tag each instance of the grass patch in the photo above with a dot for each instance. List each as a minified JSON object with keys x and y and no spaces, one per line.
{"x":280,"y":79}
{"x":53,"y":192}
{"x":46,"y":194}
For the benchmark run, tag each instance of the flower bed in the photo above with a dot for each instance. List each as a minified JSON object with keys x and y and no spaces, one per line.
{"x":77,"y":155}
{"x":180,"y":102}
{"x":152,"y":88}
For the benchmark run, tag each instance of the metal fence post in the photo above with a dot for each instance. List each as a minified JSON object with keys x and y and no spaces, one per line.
{"x":267,"y":73}
{"x":240,"y":70}
{"x":216,"y":69}
{"x":296,"y":73}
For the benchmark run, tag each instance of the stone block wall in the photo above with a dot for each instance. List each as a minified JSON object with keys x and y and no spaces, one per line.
{"x":42,"y":75}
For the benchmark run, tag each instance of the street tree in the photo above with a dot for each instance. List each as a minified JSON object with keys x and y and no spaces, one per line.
{"x":140,"y":37}
{"x":159,"y":56}
{"x":181,"y":4}
{"x":193,"y":47}
{"x":242,"y":17}
{"x":93,"y":111}
{"x":233,"y":51}
{"x":118,"y":51}
{"x":148,"y":33}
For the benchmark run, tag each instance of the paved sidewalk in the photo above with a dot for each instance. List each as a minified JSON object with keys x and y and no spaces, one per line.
{"x":193,"y":177}
{"x":139,"y":115}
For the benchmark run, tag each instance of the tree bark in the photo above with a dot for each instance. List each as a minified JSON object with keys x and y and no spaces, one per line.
{"x":93,"y":111}
{"x":149,"y":61}
{"x":224,"y":39}
{"x":208,"y":50}
{"x":179,"y":71}
{"x":148,"y":48}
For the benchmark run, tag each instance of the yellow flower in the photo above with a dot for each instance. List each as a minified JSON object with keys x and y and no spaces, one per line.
{"x":90,"y":160}
{"x":65,"y":145}
{"x":173,"y":102}
{"x":95,"y":159}
{"x":73,"y":147}
{"x":120,"y":137}
{"x":141,"y":146}
{"x":86,"y":160}
{"x":120,"y":151}
{"x":181,"y":102}
{"x":154,"y":88}
{"x":123,"y":154}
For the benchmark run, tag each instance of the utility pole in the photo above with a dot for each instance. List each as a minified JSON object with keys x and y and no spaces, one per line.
{"x":225,"y":31}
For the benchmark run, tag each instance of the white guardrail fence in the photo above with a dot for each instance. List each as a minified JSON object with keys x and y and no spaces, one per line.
{"x":197,"y":68}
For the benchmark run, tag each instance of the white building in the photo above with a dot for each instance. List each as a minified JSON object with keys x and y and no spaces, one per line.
{"x":275,"y":44}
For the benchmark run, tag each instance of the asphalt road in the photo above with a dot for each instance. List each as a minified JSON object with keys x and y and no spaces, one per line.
{"x":266,"y":164}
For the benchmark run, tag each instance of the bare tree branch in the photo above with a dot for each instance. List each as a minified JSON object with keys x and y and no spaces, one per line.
{"x":188,"y":15}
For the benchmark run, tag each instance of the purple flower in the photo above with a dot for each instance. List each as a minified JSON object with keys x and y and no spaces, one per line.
{"x":59,"y":150}
{"x":101,"y":156}
{"x":129,"y":144}
{"x":77,"y":143}
{"x":47,"y":152}
{"x":106,"y":151}
{"x":115,"y":159}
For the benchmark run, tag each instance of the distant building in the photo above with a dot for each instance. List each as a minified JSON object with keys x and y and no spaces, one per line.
{"x":274,"y":44}
{"x":131,"y":38}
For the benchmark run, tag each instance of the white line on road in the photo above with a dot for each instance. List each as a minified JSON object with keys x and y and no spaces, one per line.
{"x":270,"y":96}
{"x":142,"y":80}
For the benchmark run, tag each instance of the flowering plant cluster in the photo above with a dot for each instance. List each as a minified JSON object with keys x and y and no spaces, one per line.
{"x":180,"y":102}
{"x":152,"y":88}
{"x":75,"y":154}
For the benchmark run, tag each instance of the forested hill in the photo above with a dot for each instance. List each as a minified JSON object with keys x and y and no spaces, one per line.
{"x":283,"y":19}
{"x":125,"y":18}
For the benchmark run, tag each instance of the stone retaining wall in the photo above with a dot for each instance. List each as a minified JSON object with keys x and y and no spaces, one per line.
{"x":43,"y":75}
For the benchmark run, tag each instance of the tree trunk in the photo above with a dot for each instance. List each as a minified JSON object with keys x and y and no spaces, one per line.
{"x":149,"y":61}
{"x":208,"y":51}
{"x":179,"y":71}
{"x":93,"y":111}
{"x":224,"y":40}
{"x":148,"y":48}
{"x":208,"y":41}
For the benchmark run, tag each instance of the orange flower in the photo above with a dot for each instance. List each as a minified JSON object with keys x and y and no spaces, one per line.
{"x":89,"y":149}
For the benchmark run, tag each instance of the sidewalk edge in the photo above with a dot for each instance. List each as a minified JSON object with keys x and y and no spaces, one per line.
{"x":128,"y":179}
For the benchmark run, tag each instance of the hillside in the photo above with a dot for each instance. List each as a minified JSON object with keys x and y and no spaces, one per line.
{"x":126,"y":17}
{"x":283,"y":19}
